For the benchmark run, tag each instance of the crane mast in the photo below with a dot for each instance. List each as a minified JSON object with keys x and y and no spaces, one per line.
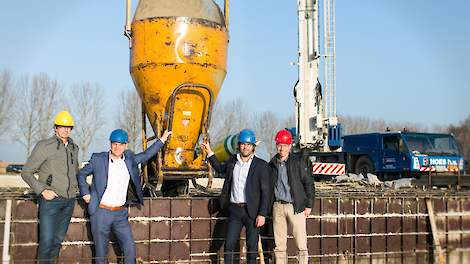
{"x":317,"y":125}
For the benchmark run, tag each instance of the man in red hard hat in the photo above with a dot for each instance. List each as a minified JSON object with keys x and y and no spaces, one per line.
{"x":292,"y":198}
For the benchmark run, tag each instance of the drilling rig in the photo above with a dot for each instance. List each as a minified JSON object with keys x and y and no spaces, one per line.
{"x":315,"y":105}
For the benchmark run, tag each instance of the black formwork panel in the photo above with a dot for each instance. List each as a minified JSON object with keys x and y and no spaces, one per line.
{"x":378,"y":229}
{"x":340,"y":229}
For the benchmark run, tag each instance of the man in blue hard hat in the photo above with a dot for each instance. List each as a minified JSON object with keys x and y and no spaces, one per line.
{"x":115,"y":185}
{"x":245,"y":195}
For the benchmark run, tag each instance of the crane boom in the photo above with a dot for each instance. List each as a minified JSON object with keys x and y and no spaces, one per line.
{"x":315,"y":105}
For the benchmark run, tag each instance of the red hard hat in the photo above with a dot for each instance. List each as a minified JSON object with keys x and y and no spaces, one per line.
{"x":283,"y":137}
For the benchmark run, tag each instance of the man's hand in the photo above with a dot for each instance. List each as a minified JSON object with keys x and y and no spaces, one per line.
{"x":307,"y":211}
{"x":86,"y":198}
{"x":165,"y":135}
{"x":260,"y":220}
{"x":207,"y":147}
{"x":48,"y":194}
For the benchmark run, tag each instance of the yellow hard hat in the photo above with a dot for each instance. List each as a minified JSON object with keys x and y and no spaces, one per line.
{"x":64,"y":118}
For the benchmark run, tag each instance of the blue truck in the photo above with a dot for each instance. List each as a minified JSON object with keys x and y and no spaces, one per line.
{"x":403,"y":154}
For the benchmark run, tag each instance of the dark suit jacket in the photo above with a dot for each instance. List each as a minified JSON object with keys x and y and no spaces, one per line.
{"x":99,"y":165}
{"x":258,"y":185}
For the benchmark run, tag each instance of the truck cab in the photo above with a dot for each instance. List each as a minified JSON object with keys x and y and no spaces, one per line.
{"x":403,"y":154}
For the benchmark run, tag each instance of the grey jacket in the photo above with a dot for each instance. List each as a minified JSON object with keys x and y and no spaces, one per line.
{"x":56,"y":166}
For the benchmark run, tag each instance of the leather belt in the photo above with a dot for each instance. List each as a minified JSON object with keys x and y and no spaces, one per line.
{"x":241,"y":205}
{"x":111,"y":208}
{"x":282,"y":202}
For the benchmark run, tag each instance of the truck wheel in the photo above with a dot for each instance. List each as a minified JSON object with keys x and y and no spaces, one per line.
{"x":363,"y":166}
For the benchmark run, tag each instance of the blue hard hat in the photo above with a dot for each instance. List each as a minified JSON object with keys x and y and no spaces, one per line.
{"x":247,"y":136}
{"x":119,"y":135}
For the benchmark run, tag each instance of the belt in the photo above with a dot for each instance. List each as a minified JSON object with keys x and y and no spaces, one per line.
{"x":111,"y":208}
{"x":282,"y":202}
{"x":241,"y":205}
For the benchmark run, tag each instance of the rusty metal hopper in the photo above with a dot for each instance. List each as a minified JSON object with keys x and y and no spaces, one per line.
{"x":178,"y":63}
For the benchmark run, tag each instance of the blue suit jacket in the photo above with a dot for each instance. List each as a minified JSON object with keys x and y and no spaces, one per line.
{"x":98,"y":166}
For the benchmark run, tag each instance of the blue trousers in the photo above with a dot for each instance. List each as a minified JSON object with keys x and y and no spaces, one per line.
{"x":54,"y":219}
{"x":238,"y":217}
{"x":103,"y":222}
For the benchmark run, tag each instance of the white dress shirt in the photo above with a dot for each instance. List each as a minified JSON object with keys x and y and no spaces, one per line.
{"x":118,"y":181}
{"x":240,"y":173}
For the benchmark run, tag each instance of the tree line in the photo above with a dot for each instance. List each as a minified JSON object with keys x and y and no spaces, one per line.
{"x":28,"y":105}
{"x":230,"y":117}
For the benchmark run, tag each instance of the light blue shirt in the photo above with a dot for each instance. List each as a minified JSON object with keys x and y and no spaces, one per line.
{"x":282,"y":188}
{"x":240,"y":173}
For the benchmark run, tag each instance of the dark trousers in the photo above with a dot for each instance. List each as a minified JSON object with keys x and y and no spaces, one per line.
{"x":54,"y":219}
{"x":238,"y":217}
{"x":103,"y":222}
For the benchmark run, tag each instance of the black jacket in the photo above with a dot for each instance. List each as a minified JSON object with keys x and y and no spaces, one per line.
{"x":258,"y":186}
{"x":301,"y":185}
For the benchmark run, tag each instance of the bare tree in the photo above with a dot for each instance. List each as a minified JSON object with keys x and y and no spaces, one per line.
{"x":7,"y":99}
{"x":228,"y":119}
{"x":265,"y":125}
{"x":35,"y":112}
{"x":462,"y":134}
{"x":377,"y":125}
{"x":49,"y":93}
{"x":440,"y":129}
{"x":130,"y":117}
{"x":289,"y":122}
{"x":355,"y":125}
{"x":26,"y":124}
{"x":88,"y":112}
{"x":408,"y":126}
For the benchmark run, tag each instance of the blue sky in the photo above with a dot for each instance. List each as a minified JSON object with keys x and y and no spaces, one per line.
{"x":397,"y":60}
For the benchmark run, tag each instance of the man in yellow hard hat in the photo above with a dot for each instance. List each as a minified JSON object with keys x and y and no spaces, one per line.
{"x":55,"y":160}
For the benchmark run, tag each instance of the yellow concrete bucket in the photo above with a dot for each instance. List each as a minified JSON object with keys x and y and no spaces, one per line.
{"x":178,"y":63}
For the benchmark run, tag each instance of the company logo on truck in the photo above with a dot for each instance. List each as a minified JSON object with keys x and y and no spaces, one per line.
{"x":438,"y":163}
{"x":442,"y":162}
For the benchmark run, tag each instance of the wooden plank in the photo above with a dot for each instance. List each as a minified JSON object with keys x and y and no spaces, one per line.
{"x":435,"y":236}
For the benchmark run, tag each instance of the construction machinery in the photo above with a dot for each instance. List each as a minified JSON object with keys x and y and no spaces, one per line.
{"x":319,"y":139}
{"x":317,"y":125}
{"x":178,"y":64}
{"x":178,"y":58}
{"x":402,"y":153}
{"x":317,"y":132}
